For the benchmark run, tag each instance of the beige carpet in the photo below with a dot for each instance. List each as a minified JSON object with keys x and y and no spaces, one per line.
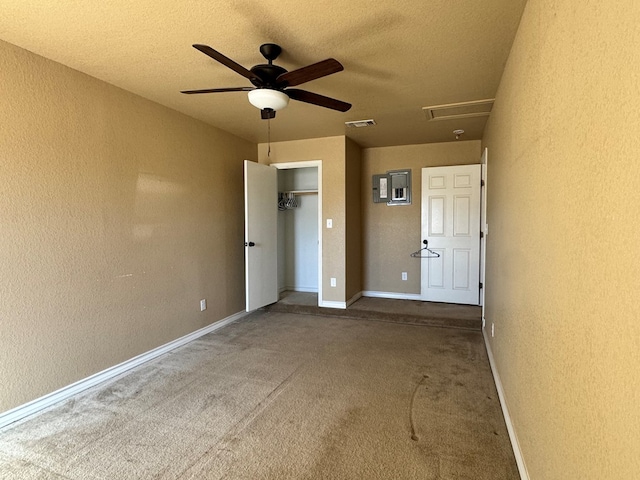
{"x":386,"y":310}
{"x":282,"y":396}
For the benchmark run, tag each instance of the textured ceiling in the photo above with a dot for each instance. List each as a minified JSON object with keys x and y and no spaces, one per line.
{"x":398,"y":56}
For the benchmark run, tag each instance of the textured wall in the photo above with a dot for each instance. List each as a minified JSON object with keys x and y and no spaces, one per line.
{"x":353,"y":196}
{"x":331,"y":150}
{"x":390,"y":234}
{"x":563,"y":258}
{"x":117,"y":217}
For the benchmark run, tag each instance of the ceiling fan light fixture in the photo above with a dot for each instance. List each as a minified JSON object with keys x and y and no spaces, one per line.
{"x":263,"y":98}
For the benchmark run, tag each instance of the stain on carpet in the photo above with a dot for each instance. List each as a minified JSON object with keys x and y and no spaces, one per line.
{"x":414,"y":437}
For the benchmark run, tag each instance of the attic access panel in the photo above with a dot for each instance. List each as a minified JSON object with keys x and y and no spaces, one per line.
{"x":476,"y":108}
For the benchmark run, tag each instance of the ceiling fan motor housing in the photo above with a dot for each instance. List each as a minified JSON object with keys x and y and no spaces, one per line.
{"x":267,"y":75}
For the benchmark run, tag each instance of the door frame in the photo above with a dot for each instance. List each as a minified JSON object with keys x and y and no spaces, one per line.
{"x":484,"y":228}
{"x":307,"y":164}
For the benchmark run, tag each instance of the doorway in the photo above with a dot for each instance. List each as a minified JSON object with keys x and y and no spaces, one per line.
{"x":299,"y":227}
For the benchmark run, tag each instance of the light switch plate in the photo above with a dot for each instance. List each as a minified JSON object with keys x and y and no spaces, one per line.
{"x":329,"y":223}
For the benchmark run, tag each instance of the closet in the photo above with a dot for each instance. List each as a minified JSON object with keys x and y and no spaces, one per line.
{"x":298,"y":237}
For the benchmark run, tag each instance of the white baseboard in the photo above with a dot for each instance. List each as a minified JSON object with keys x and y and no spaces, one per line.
{"x":354,"y":299}
{"x":340,"y":305}
{"x":522,"y":468}
{"x":45,"y":401}
{"x":328,"y":304}
{"x":291,"y":288}
{"x":399,"y":296}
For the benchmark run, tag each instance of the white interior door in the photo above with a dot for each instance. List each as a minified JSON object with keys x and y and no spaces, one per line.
{"x":260,"y":234}
{"x":451,"y":225}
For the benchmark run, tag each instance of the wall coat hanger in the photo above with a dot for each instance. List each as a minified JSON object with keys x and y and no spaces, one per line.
{"x":421,"y":253}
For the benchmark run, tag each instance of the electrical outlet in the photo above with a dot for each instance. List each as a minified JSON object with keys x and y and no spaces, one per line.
{"x":493,"y":330}
{"x":330,"y":225}
{"x":404,"y":275}
{"x":203,"y":305}
{"x":483,"y":323}
{"x":333,"y":282}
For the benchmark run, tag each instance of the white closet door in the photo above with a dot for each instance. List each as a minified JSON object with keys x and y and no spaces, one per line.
{"x":261,"y":235}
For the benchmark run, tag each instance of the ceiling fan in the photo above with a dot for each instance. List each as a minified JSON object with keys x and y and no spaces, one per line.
{"x":271,"y":82}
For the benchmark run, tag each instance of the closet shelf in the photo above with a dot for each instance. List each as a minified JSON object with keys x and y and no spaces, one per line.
{"x":300,"y":192}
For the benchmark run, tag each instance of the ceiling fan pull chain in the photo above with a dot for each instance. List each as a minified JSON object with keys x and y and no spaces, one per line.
{"x":268,"y":137}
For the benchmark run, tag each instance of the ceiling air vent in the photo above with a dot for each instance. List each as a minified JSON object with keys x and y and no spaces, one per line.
{"x":361,"y":123}
{"x":476,"y":108}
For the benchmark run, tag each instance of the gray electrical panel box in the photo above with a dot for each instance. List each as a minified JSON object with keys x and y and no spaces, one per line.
{"x":392,"y":188}
{"x":400,"y":187}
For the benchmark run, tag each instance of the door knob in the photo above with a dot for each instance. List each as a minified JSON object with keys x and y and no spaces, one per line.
{"x":250,"y":244}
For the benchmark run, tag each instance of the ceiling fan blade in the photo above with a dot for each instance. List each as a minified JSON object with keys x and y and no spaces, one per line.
{"x":310,"y":72}
{"x":216,"y":90}
{"x":227,"y":62}
{"x":267,"y":113}
{"x":316,"y":99}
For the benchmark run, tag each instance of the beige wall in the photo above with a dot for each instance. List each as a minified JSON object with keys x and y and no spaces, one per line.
{"x":564,"y":262}
{"x":331,"y":150}
{"x":353,"y":174}
{"x":117,"y":216}
{"x":390,"y":234}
